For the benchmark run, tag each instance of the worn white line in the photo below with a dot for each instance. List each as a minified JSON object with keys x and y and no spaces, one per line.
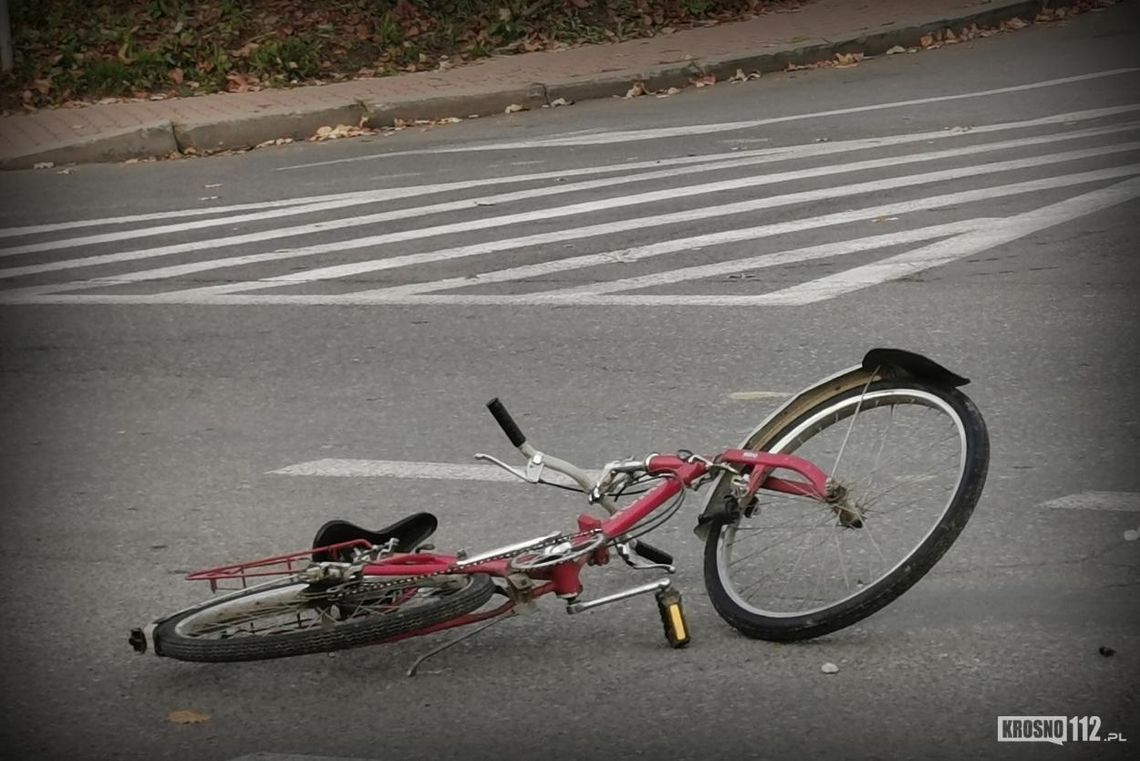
{"x":706,"y":129}
{"x":712,"y":162}
{"x":341,"y":468}
{"x":1114,"y":501}
{"x":543,"y":269}
{"x":45,"y":294}
{"x":675,"y":245}
{"x":946,"y":251}
{"x":13,"y":232}
{"x":774,"y":259}
{"x":688,"y":215}
{"x":756,"y":396}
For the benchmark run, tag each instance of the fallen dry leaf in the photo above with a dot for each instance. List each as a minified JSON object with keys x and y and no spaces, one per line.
{"x":1013,"y":24}
{"x":896,"y":50}
{"x":739,"y":76}
{"x":238,"y":82}
{"x":334,"y":133}
{"x":668,"y":93}
{"x":560,"y":102}
{"x":847,"y":60}
{"x":637,"y":90}
{"x":176,"y":76}
{"x":187,"y":717}
{"x":706,"y":81}
{"x":43,"y":165}
{"x":514,"y":108}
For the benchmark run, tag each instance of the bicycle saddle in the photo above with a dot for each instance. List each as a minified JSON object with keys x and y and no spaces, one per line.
{"x":410,"y":533}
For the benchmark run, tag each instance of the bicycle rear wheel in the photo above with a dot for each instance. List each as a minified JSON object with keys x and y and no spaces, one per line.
{"x":295,"y":618}
{"x":912,"y":458}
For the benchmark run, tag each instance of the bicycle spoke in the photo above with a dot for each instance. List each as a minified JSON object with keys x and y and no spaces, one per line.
{"x":851,"y":425}
{"x":901,"y":466}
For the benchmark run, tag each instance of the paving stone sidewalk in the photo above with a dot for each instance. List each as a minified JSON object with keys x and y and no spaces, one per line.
{"x":223,"y":121}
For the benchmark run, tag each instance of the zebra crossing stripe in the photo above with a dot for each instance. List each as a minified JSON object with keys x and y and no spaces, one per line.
{"x":561,"y":211}
{"x":401,"y":295}
{"x":775,"y":259}
{"x":687,"y":215}
{"x":782,"y":153}
{"x":946,"y":251}
{"x":542,"y":269}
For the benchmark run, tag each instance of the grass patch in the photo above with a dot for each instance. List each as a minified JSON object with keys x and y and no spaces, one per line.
{"x":86,"y":49}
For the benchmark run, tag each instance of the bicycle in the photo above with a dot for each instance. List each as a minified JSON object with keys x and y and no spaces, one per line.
{"x":771,"y":503}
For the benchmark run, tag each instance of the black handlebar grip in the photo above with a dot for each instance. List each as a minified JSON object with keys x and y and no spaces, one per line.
{"x":506,"y":422}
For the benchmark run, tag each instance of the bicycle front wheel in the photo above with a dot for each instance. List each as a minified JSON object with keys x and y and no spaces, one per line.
{"x":294,"y":618}
{"x":912,"y":459}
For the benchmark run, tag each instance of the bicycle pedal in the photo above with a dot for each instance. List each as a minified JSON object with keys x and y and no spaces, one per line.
{"x":673,"y":617}
{"x":652,"y":554}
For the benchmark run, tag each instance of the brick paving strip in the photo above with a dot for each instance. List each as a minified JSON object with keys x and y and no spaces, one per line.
{"x":226,"y":121}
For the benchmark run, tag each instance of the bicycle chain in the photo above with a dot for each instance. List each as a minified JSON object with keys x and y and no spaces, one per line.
{"x":363,"y":587}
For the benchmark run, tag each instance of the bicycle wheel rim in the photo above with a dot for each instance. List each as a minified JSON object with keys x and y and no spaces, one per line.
{"x":858,"y":560}
{"x":295,"y":608}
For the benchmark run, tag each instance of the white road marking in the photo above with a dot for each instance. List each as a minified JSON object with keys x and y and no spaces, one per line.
{"x":726,"y":161}
{"x":705,"y":129}
{"x":946,"y":251}
{"x":775,"y":259}
{"x":688,"y":215}
{"x":314,"y":204}
{"x":447,"y":471}
{"x":45,"y":294}
{"x":1116,"y":501}
{"x":13,"y":232}
{"x":544,"y":269}
{"x":777,"y":154}
{"x":756,"y":396}
{"x":639,"y":253}
{"x":341,"y":202}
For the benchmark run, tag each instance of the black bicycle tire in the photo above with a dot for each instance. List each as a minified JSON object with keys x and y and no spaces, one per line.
{"x":907,"y":573}
{"x":168,"y":642}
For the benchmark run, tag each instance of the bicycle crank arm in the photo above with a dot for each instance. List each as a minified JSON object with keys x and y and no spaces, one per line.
{"x":656,"y":586}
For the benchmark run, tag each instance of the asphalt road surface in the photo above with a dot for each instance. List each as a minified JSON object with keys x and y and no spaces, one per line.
{"x":203,"y":360}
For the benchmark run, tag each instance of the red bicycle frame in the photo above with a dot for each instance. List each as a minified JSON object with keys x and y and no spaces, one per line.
{"x":562,"y":579}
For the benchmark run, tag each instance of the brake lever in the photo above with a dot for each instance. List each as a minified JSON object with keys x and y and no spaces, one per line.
{"x":533,"y":466}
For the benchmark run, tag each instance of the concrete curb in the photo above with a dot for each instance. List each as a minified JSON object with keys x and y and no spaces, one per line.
{"x":680,"y":74}
{"x":247,"y":131}
{"x":385,"y":113}
{"x":155,"y":139}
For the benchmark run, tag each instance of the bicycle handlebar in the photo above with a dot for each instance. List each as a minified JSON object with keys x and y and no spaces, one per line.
{"x":506,"y":422}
